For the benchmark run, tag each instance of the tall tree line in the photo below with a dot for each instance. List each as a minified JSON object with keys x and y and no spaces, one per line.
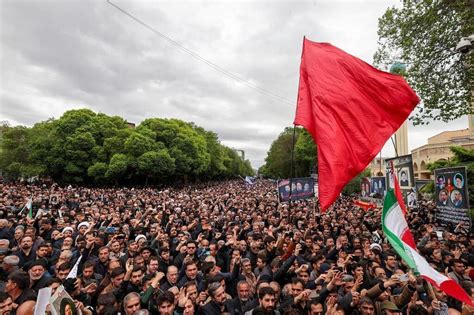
{"x":84,"y":147}
{"x":278,"y":160}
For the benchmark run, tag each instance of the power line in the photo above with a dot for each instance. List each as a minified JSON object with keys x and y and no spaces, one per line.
{"x":202,"y":59}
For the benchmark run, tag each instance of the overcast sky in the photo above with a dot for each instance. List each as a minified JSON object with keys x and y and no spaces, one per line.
{"x":60,"y":55}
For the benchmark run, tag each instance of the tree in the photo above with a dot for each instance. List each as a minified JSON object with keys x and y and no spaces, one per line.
{"x":157,"y":164}
{"x":97,"y":171}
{"x":278,"y":160}
{"x":423,"y":34}
{"x":84,"y":147}
{"x":353,"y":187}
{"x":117,"y":167}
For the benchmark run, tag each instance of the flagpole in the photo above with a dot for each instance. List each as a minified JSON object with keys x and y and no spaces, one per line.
{"x":292,"y":172}
{"x":394,"y":145}
{"x":395,"y":184}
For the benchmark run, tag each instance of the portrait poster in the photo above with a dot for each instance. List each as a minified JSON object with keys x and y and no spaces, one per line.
{"x":295,"y":189}
{"x":61,"y":303}
{"x":54,"y":199}
{"x":403,"y":168}
{"x":378,"y":187}
{"x":451,"y":195}
{"x":365,"y":187}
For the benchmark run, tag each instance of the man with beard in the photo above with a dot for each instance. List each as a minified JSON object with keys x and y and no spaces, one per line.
{"x":46,"y":229}
{"x":266,"y":300}
{"x":38,"y":275}
{"x":217,"y":304}
{"x":165,"y":260}
{"x":243,"y":302}
{"x":153,"y":265}
{"x":135,"y":280}
{"x":366,"y":306}
{"x":132,"y":251}
{"x":102,"y":263}
{"x":25,"y":254}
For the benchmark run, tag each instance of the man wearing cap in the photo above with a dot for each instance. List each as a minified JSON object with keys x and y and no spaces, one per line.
{"x":83,"y":227}
{"x":38,"y":275}
{"x":381,"y":292}
{"x":389,"y":308}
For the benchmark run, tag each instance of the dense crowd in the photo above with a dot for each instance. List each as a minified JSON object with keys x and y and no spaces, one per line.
{"x":219,"y":248}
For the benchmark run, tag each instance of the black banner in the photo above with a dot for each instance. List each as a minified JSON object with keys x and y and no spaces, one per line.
{"x":301,"y":188}
{"x":378,"y":187}
{"x":451,"y":195}
{"x":403,"y":167}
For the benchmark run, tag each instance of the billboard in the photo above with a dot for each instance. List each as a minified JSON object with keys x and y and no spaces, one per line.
{"x":365,"y":187}
{"x":377,"y":186}
{"x":403,"y":168}
{"x":451,"y":195}
{"x":301,"y":188}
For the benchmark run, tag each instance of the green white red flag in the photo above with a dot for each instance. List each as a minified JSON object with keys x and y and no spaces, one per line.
{"x":396,"y":230}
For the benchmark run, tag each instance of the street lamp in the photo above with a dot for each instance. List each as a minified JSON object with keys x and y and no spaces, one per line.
{"x":464,"y":47}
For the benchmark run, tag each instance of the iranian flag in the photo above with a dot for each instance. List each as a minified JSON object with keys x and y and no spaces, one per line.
{"x":396,"y":229}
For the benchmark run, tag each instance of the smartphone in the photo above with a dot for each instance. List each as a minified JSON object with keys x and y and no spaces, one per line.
{"x":403,"y":277}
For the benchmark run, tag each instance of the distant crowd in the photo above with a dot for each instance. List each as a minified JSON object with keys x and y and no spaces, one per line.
{"x":218,"y":248}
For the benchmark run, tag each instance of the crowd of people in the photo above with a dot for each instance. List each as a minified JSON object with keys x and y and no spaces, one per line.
{"x":216,"y":248}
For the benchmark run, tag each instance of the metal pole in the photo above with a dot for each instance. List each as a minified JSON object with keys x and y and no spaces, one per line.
{"x":292,"y":172}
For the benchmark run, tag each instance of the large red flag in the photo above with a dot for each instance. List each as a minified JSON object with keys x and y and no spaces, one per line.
{"x":351,"y":109}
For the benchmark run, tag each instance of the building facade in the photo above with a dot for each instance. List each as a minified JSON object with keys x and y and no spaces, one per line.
{"x":438,"y":148}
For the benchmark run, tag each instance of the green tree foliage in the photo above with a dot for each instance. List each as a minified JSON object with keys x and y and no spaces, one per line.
{"x":278,"y":160}
{"x":156,"y":164}
{"x":353,"y":187}
{"x":90,"y":148}
{"x":423,"y":34}
{"x":462,"y":157}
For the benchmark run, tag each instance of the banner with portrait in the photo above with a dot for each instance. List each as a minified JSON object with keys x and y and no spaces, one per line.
{"x":295,"y":189}
{"x":62,"y":303}
{"x":378,"y":187}
{"x":451,"y":195}
{"x":403,"y":168}
{"x":365,"y":187}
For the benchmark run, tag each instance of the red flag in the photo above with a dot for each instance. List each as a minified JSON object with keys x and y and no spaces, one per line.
{"x":351,"y":109}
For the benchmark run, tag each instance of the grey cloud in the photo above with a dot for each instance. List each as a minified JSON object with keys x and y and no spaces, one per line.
{"x":58,"y":55}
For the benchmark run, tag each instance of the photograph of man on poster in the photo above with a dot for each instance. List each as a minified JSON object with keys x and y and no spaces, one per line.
{"x":456,"y":198}
{"x":404,"y":178}
{"x":458,"y":181}
{"x":443,"y":197}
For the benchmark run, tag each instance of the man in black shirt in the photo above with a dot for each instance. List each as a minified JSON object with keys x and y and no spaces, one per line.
{"x":17,"y":289}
